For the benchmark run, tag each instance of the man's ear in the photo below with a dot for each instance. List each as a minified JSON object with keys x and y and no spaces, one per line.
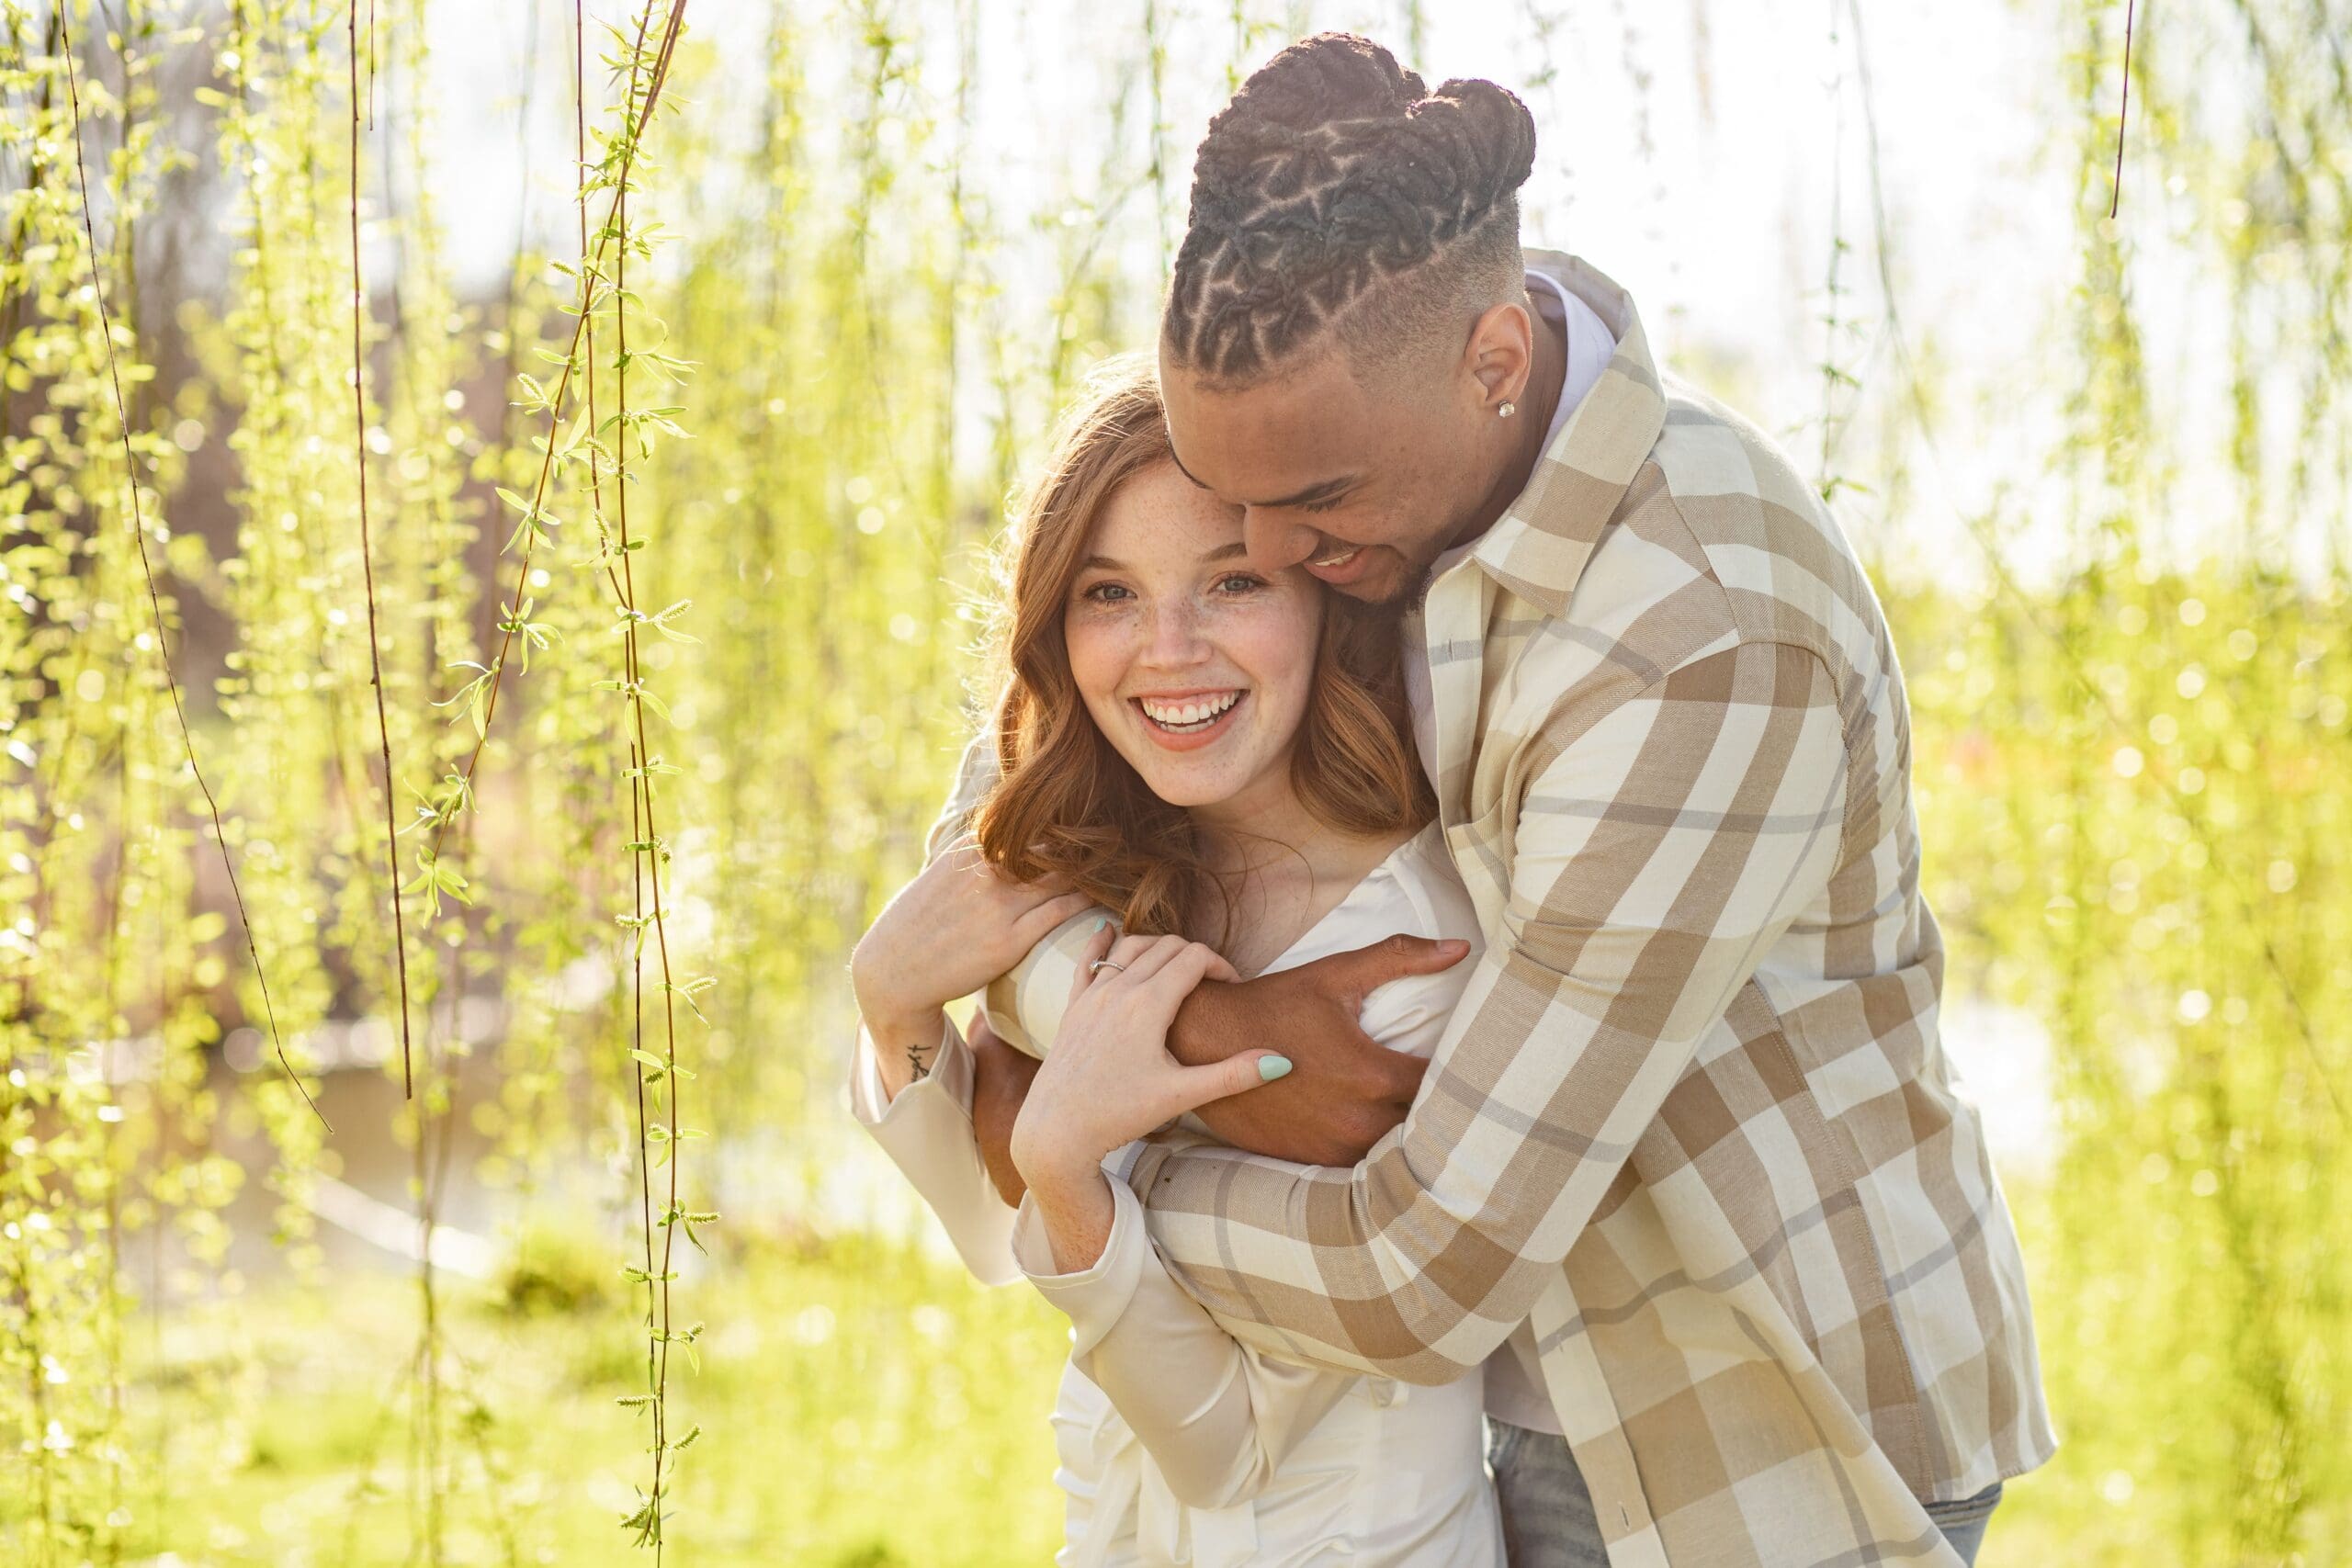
{"x":1501,"y":354}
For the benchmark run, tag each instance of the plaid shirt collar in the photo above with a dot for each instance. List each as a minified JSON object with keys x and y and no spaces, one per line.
{"x":1537,"y":548}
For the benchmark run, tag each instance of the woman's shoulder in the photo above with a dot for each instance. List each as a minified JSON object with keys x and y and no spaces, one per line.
{"x":1416,"y":891}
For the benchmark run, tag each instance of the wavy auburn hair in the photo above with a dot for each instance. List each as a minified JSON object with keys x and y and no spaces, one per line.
{"x":1067,"y":803}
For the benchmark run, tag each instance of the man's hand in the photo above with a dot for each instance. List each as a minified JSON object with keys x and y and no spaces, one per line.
{"x":1001,"y":1077}
{"x":1345,"y":1090}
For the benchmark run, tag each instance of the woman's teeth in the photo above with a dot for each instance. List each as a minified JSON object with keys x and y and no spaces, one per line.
{"x":1190,"y":715}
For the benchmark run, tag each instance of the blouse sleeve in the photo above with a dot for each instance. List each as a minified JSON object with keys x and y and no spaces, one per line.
{"x":1216,"y":1416}
{"x":927,"y":1133}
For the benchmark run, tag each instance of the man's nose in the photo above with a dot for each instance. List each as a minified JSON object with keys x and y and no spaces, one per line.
{"x":1273,"y":544}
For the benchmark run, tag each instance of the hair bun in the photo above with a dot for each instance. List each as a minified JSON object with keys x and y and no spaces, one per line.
{"x":1333,"y":170}
{"x":1488,"y":129}
{"x":1327,"y":78}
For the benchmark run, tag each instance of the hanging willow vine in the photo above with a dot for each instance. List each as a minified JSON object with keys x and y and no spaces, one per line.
{"x":311,"y":540}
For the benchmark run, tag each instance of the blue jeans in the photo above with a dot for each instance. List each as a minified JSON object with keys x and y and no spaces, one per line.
{"x":1548,"y":1521}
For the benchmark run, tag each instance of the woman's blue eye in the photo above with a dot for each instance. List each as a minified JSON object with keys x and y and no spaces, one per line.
{"x":1102,"y":592}
{"x":1247,"y":582}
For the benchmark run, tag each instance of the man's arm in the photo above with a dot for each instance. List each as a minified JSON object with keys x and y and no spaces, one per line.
{"x":1345,"y":1089}
{"x":1676,"y":831}
{"x":976,"y":774}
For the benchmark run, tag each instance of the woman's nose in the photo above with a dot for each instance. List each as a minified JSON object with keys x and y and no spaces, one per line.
{"x":1175,"y":634}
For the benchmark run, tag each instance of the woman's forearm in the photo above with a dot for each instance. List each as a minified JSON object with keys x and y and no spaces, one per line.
{"x":1078,"y":1211}
{"x":905,"y":1046}
{"x":927,"y":1133}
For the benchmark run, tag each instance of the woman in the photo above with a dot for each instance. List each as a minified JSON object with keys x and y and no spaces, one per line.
{"x":1221,"y":757}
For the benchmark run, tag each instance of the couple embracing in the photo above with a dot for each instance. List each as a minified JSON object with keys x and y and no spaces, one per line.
{"x":1460,"y":1038}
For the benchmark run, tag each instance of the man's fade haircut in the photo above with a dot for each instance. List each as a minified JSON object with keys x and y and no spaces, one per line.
{"x":1337,"y":194}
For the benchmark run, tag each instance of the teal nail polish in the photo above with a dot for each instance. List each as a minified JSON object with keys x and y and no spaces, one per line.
{"x":1101,"y":920}
{"x":1271,"y":1067}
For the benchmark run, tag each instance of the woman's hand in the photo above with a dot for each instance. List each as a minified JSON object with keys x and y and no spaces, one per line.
{"x":1110,"y":1079}
{"x":954,"y":928}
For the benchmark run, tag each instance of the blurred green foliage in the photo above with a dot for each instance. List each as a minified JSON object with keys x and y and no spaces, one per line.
{"x":2131,"y":762}
{"x":2138,"y":832}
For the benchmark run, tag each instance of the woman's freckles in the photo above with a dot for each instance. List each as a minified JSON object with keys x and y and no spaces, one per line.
{"x":1194,"y":664}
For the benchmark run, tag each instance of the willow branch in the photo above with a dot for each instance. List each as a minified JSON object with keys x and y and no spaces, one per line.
{"x":154,"y":598}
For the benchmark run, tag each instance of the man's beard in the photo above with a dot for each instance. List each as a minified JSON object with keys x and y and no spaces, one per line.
{"x":1420,"y":575}
{"x":1409,"y":602}
{"x":1415,"y":580}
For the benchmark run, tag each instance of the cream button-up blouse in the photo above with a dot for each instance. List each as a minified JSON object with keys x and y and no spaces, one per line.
{"x":1179,"y":1443}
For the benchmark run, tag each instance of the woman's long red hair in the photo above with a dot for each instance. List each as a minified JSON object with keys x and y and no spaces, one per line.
{"x":1067,"y":803}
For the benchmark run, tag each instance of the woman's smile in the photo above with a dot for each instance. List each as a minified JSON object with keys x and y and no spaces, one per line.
{"x":1195,"y":667}
{"x":1186,"y":721}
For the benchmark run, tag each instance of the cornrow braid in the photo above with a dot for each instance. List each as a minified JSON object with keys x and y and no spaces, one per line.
{"x":1332,"y":175}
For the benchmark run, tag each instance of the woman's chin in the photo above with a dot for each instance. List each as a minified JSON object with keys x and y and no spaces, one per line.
{"x":1193,"y":800}
{"x":1193,"y":770}
{"x":1185,"y":788}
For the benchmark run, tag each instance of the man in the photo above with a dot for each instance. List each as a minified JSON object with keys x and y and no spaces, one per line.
{"x":1686,"y":1173}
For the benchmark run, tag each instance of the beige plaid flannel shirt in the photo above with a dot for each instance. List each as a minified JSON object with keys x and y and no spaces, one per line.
{"x":1693,"y":1115}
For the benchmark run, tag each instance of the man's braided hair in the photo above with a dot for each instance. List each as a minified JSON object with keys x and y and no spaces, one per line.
{"x":1337,"y":193}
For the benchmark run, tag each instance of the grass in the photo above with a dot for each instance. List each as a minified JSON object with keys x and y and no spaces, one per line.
{"x":861,"y":1405}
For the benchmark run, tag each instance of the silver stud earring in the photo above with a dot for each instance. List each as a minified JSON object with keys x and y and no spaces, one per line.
{"x":1506,"y":411}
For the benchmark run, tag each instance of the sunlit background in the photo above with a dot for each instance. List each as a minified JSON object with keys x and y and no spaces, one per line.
{"x":2098,"y":466}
